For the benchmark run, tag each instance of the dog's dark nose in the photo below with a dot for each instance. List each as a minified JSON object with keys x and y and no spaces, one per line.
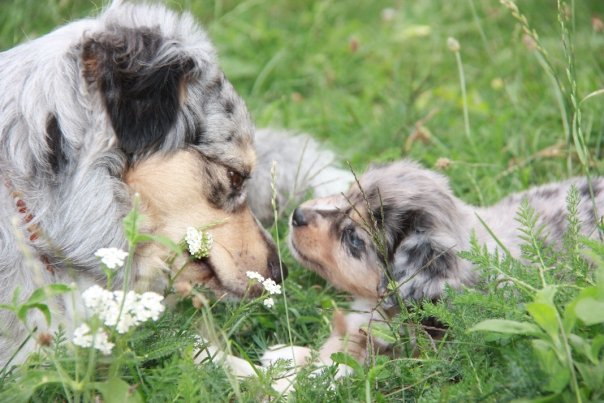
{"x":298,"y":219}
{"x":275,"y":269}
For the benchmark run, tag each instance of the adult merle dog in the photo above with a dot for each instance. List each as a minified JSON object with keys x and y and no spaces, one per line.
{"x":132,"y":101}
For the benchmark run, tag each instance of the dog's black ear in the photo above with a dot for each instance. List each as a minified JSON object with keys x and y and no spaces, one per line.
{"x":140,"y":76}
{"x":422,"y":257}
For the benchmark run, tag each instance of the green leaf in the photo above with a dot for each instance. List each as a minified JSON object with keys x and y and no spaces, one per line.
{"x":16,"y":294}
{"x":569,"y":319}
{"x":593,"y":375}
{"x":546,"y":317}
{"x":596,"y":345}
{"x":546,"y":295}
{"x":43,"y":293}
{"x":347,"y":359}
{"x":116,"y":390}
{"x":36,"y":298}
{"x":379,"y":372}
{"x":381,"y":331}
{"x":590,"y":311}
{"x":553,"y":398}
{"x":132,"y":222}
{"x":583,"y":347}
{"x":167,"y":242}
{"x":7,"y":307}
{"x":600,"y":281}
{"x":507,"y":327}
{"x":27,"y":384}
{"x":24,"y":309}
{"x":558,"y":375}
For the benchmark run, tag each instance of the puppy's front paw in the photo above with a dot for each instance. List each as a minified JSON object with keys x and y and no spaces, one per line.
{"x":237,"y":366}
{"x":297,"y":355}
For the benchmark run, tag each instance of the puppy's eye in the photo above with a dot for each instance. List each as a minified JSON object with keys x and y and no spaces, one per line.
{"x":352,"y":239}
{"x":236,"y":179}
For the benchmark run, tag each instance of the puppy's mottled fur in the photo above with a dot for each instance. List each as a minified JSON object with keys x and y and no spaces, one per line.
{"x":403,"y":224}
{"x":132,"y":101}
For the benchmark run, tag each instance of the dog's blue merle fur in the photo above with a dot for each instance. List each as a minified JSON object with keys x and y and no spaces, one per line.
{"x":80,"y":106}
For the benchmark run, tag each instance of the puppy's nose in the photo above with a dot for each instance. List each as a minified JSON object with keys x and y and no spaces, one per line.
{"x":275,"y":269}
{"x":298,"y":219}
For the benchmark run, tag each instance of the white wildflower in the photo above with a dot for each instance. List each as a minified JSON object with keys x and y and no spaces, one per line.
{"x":198,"y":242}
{"x":102,"y":343}
{"x":83,"y":337}
{"x":269,"y":302}
{"x":112,"y":316}
{"x":112,"y":258}
{"x":254,"y":275}
{"x":272,"y":287}
{"x":149,"y":307}
{"x":96,"y":298}
{"x":127,"y":321}
{"x":123,"y":311}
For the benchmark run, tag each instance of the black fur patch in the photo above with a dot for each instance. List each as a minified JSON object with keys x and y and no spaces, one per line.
{"x":426,"y":257}
{"x":195,"y":131}
{"x":229,"y":107}
{"x":584,"y":190}
{"x":141,"y":94}
{"x":547,"y":193}
{"x":200,"y":133}
{"x":411,"y":251}
{"x":215,"y":86}
{"x":397,"y":225}
{"x":54,"y":140}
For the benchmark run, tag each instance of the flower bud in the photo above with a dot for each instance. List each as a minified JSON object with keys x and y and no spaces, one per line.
{"x":453,"y":44}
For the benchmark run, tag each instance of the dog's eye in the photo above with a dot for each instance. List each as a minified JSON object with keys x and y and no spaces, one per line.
{"x":352,"y":239}
{"x":236,"y":179}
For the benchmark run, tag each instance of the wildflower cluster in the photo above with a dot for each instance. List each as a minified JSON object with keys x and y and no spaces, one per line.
{"x":136,"y":309}
{"x":84,"y":337}
{"x":115,"y":309}
{"x":112,"y":258}
{"x":269,"y":285}
{"x":198,"y":242}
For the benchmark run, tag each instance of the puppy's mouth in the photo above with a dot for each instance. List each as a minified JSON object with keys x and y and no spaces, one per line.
{"x":305,"y":260}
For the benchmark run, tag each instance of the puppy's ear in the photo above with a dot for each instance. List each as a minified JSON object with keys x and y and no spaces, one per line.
{"x":422,"y":258}
{"x":140,"y":77}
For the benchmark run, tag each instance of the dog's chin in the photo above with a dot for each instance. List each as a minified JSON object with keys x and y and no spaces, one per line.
{"x":207,"y":276}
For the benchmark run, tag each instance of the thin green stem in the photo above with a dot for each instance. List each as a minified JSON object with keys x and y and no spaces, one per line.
{"x":483,"y":36}
{"x":464,"y":96}
{"x":278,"y":241}
{"x":569,"y":359}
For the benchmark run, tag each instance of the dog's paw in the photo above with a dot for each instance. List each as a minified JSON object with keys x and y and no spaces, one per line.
{"x":237,"y":366}
{"x":297,"y":355}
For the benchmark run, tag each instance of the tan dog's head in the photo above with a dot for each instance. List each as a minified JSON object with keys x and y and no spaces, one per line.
{"x":165,"y":110}
{"x":398,"y":234}
{"x":188,"y":190}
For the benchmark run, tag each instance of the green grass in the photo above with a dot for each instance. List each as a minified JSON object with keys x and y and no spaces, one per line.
{"x":364,"y":85}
